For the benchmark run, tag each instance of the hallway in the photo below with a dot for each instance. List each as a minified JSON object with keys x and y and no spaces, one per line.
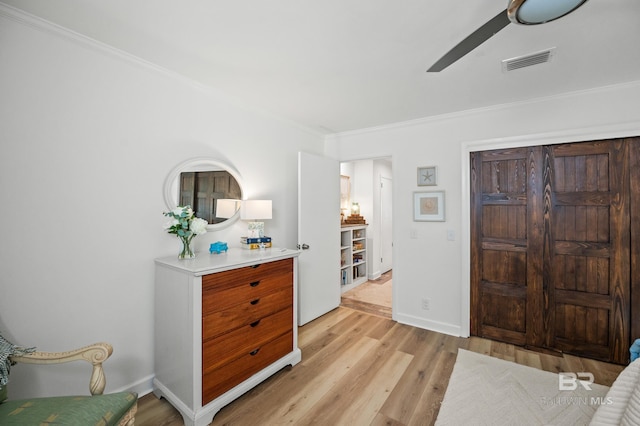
{"x":372,"y":297}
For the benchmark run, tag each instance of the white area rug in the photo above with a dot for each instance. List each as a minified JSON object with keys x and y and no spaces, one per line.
{"x":484,"y":390}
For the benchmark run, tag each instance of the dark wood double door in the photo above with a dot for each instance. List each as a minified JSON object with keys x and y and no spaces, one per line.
{"x":552,"y":248}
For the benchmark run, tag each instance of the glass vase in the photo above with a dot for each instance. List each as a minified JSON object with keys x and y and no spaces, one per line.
{"x":187,"y":251}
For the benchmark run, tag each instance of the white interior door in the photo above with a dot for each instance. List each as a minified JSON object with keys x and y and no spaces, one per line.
{"x":319,"y":232}
{"x":386,"y":227}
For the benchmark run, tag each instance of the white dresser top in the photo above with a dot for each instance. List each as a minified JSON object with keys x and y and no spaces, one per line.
{"x":205,"y":263}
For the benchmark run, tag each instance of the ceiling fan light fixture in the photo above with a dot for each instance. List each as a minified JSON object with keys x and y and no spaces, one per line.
{"x":532,"y":12}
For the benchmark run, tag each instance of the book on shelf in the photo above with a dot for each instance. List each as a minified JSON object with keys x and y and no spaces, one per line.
{"x":252,"y":240}
{"x":253,"y":246}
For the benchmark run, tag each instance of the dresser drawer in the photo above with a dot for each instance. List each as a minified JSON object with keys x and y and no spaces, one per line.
{"x":225,"y":289}
{"x":225,"y":348}
{"x":220,"y":380}
{"x":219,"y":322}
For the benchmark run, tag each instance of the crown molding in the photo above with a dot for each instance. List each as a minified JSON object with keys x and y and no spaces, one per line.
{"x":51,"y":28}
{"x":17,"y":15}
{"x":492,"y":108}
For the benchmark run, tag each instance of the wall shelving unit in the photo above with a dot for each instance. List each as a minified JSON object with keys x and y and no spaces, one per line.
{"x":353,"y":256}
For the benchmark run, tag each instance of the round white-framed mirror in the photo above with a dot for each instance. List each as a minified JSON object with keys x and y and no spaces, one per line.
{"x":209,"y":169}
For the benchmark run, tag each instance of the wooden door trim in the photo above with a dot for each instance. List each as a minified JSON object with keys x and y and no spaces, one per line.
{"x":547,"y":311}
{"x":536,"y":196}
{"x":634,"y":189}
{"x":620,"y":275}
{"x":475,"y":203}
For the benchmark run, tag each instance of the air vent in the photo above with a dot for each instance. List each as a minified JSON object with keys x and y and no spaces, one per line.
{"x":527,"y":60}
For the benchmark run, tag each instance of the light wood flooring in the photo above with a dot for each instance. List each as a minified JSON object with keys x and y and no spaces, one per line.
{"x":373,"y":296}
{"x":362,"y":369}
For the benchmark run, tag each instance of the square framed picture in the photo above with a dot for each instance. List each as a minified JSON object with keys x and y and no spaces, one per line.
{"x":427,"y":176}
{"x":428,"y":206}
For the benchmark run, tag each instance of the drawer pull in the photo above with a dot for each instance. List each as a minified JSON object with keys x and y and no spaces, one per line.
{"x":255,"y":302}
{"x":255,"y":324}
{"x":254,"y":353}
{"x":255,"y":283}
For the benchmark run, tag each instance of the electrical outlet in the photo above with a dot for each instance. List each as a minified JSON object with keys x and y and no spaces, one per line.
{"x":426,"y":304}
{"x":413,"y":234}
{"x":451,"y":235}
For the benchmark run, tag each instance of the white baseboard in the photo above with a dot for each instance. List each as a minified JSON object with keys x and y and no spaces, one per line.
{"x":440,"y":327}
{"x":142,"y":387}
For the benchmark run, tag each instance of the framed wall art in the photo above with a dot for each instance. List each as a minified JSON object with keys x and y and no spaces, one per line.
{"x":427,"y":176}
{"x":428,"y":206}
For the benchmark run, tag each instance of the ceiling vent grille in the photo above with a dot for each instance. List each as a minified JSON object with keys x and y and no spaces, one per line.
{"x":527,"y":60}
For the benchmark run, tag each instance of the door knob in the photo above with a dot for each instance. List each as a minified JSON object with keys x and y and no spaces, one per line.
{"x":303,"y":246}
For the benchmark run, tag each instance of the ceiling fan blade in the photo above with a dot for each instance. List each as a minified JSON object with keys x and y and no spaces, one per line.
{"x":474,"y":40}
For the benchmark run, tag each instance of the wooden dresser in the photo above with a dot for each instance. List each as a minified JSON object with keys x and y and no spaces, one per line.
{"x":223,"y":324}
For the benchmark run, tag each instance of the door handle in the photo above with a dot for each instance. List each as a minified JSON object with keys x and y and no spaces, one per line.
{"x":303,"y":246}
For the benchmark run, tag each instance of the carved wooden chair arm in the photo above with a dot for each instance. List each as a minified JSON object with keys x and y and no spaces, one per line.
{"x":95,"y":354}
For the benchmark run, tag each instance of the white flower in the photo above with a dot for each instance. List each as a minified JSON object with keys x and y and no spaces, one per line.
{"x":199,"y":226}
{"x":184,"y":223}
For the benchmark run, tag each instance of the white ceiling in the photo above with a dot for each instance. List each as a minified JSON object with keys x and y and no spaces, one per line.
{"x":339,"y":65}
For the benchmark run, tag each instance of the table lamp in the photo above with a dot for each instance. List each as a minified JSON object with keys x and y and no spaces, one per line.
{"x":253,"y":211}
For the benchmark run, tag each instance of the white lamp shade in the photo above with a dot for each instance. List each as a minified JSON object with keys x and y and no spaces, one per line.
{"x":255,"y":209}
{"x":226,"y":208}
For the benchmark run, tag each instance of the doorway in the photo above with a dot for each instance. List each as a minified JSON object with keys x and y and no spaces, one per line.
{"x":369,"y":185}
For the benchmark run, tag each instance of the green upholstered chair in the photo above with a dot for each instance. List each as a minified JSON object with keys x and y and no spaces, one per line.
{"x":95,"y":409}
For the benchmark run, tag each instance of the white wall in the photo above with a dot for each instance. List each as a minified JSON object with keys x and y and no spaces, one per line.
{"x":430,"y":266}
{"x":87,"y":137}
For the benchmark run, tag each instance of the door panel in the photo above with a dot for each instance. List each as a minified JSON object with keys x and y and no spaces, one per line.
{"x":550,"y":246}
{"x":589,"y":259}
{"x":386,"y":234}
{"x":319,"y":229}
{"x":505,"y":234}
